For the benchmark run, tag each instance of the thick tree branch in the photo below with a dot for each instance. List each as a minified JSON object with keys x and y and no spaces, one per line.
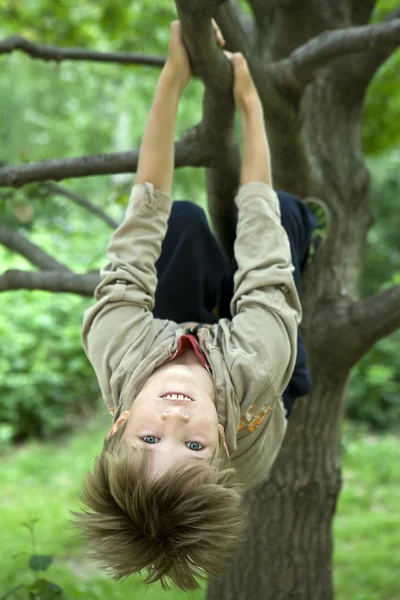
{"x":35,"y":255}
{"x":81,"y":201}
{"x":50,"y":281}
{"x":366,"y":65}
{"x":261,"y":8}
{"x":188,"y":153}
{"x":240,"y":36}
{"x":237,"y":28}
{"x":302,"y":64}
{"x":216,"y":129}
{"x":375,"y":317}
{"x":59,"y":54}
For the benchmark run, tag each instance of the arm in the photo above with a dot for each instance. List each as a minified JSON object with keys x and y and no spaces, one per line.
{"x":265,"y":306}
{"x":256,"y":160}
{"x":156,"y":159}
{"x":122,"y":317}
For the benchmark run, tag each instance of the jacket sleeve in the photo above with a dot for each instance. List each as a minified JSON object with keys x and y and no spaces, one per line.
{"x":125,"y":296}
{"x":265,"y":306}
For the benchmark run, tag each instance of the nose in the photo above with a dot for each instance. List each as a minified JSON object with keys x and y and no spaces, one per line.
{"x":175,"y":413}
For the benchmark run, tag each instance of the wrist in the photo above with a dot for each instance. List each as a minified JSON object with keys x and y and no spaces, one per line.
{"x":173,"y":75}
{"x":251,"y":107}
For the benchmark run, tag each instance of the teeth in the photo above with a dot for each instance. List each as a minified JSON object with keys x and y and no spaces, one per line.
{"x":177,"y":397}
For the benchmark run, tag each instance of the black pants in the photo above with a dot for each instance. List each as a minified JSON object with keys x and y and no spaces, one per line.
{"x":195,"y":275}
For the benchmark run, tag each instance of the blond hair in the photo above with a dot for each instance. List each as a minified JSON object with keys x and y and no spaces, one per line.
{"x":184,"y":524}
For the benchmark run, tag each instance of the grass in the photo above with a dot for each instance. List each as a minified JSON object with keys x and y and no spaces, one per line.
{"x":41,"y":481}
{"x":367,"y":525}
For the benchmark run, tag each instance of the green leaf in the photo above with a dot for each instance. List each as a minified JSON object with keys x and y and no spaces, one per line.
{"x":11,"y":592}
{"x":45,"y":590}
{"x":40,"y":562}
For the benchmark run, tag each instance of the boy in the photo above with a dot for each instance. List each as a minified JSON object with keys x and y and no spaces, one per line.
{"x":190,"y":401}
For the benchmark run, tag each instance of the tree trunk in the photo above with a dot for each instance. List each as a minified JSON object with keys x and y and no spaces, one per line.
{"x":289,"y":547}
{"x":316,"y":150}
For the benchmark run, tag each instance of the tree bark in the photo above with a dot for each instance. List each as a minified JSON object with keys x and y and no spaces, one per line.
{"x":58,"y":54}
{"x":288,"y":550}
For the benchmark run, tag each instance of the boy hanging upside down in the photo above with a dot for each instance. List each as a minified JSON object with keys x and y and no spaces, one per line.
{"x":197,"y":401}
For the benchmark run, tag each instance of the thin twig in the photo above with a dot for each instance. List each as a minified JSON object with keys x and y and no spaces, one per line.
{"x":59,"y":54}
{"x":12,"y":240}
{"x":81,"y":201}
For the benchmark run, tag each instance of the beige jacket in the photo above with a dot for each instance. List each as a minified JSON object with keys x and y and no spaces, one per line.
{"x":252,"y":356}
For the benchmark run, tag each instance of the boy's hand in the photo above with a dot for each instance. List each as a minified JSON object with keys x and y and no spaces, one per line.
{"x":244,"y":90}
{"x":178,"y":59}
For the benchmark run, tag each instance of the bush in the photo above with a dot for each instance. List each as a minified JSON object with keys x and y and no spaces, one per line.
{"x":46,"y":382}
{"x":374,"y":389}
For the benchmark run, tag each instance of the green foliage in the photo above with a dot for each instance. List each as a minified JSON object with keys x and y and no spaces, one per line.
{"x":46,"y":382}
{"x":366,"y":526}
{"x":374,"y":392}
{"x":39,"y":588}
{"x":381,"y":129}
{"x":374,"y":389}
{"x":102,"y":25}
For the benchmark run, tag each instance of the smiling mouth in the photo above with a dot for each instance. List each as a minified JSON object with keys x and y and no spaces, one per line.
{"x":177,"y":398}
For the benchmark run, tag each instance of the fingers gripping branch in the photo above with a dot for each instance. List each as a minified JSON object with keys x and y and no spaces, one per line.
{"x":202,"y":45}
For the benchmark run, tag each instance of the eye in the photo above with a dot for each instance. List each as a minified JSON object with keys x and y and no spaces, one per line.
{"x":150,"y":439}
{"x":194,"y":446}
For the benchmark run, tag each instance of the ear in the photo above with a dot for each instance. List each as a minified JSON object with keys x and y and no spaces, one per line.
{"x":121,"y":419}
{"x":222,"y":432}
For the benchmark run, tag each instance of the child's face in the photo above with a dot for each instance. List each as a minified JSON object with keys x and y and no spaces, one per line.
{"x":174,"y":430}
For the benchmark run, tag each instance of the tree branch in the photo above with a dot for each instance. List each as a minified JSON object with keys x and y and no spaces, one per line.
{"x":374,"y":318}
{"x":261,"y":8}
{"x":50,"y":281}
{"x":44,"y":52}
{"x":81,"y":201}
{"x":237,"y":28}
{"x":188,"y":153}
{"x":35,"y":255}
{"x":302,"y":64}
{"x":366,"y":65}
{"x":217,"y":127}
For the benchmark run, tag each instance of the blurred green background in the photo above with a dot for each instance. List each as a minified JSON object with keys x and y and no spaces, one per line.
{"x":51,"y":421}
